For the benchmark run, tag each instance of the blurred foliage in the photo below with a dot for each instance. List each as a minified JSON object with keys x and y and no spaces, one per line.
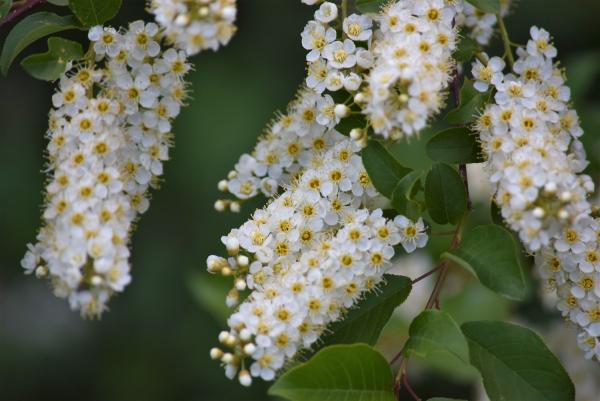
{"x":154,"y":343}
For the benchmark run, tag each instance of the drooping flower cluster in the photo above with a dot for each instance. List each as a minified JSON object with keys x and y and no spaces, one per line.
{"x":412,"y":65}
{"x":342,"y":62}
{"x":530,"y":136}
{"x":196,"y":25}
{"x":311,"y":254}
{"x":109,"y":134}
{"x":479,"y":24}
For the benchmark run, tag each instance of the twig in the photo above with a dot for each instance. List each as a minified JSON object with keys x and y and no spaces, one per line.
{"x":506,"y":41}
{"x":20,"y":10}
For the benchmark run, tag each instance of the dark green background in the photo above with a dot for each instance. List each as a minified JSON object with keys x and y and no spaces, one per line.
{"x":154,"y":343}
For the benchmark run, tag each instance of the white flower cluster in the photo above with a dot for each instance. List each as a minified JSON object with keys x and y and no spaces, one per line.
{"x":307,"y":257}
{"x":412,"y":65}
{"x":294,"y":141}
{"x":108,"y":135}
{"x":196,"y":25}
{"x":480,"y":25}
{"x":530,"y":136}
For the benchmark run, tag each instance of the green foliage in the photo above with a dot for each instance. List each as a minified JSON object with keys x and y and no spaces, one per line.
{"x":95,"y":12}
{"x":59,"y":2}
{"x":471,"y":103}
{"x":50,"y":65}
{"x":29,"y":30}
{"x":338,"y":373}
{"x":434,"y":334}
{"x":455,"y":146}
{"x":489,"y":6}
{"x":491,"y":253}
{"x":364,"y":323}
{"x":582,"y":72}
{"x":515,"y":364}
{"x":403,"y":197}
{"x":384,"y":170}
{"x":466,"y":49}
{"x":370,"y":6}
{"x":445,"y":194}
{"x":5,"y":6}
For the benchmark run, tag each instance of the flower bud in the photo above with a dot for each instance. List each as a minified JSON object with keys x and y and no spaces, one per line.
{"x":563,"y":214}
{"x":341,"y":110}
{"x":357,"y":133}
{"x":245,"y":334}
{"x":249,"y":349}
{"x":550,"y":187}
{"x":232,"y":174}
{"x":216,"y":353}
{"x":235,"y":207}
{"x":566,"y":196}
{"x":41,"y":271}
{"x":96,"y":280}
{"x":223,"y":185}
{"x":227,"y":358}
{"x":223,"y":336}
{"x":226,"y":271}
{"x":245,"y":379}
{"x":242,"y":260}
{"x":233,"y":246}
{"x":359,"y":98}
{"x":539,"y":213}
{"x":220,"y":205}
{"x":240,"y":284}
{"x":233,"y":297}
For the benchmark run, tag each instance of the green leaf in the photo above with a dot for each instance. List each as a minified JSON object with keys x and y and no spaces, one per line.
{"x":364,"y":323}
{"x":491,"y":253}
{"x":95,"y":12}
{"x":59,"y":2}
{"x":370,"y":6}
{"x":515,"y":363}
{"x":29,"y":30}
{"x":471,"y":103}
{"x":489,"y":6}
{"x":403,"y":195}
{"x":445,"y":194}
{"x":467,"y":47}
{"x":434,"y":334}
{"x":50,"y":65}
{"x":384,"y":170}
{"x":5,"y":6}
{"x":455,"y":146}
{"x":338,"y":373}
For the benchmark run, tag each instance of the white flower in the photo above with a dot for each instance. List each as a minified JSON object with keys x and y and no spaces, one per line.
{"x":326,"y":13}
{"x":488,"y":74}
{"x":340,"y":55}
{"x":358,"y":27}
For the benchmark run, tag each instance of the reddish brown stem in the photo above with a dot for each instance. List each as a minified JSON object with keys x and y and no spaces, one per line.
{"x":19,"y":10}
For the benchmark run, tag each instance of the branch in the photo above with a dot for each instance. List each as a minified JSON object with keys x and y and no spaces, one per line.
{"x":19,"y":10}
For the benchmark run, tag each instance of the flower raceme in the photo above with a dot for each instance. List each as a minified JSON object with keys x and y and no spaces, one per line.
{"x":196,"y":25}
{"x":109,"y":134}
{"x":308,"y":256}
{"x":535,"y":159}
{"x":352,"y":63}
